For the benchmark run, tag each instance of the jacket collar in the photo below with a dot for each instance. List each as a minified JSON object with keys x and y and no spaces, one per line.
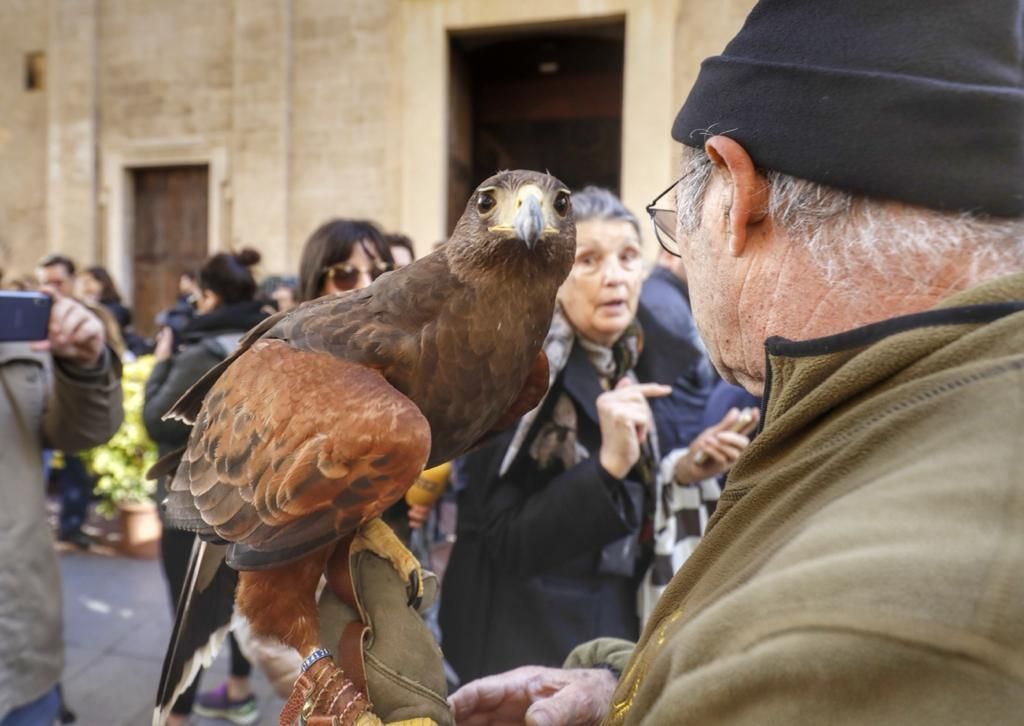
{"x":807,"y":377}
{"x":240,"y":316}
{"x":580,"y":381}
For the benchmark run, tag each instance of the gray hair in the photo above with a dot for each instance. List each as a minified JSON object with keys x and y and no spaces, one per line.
{"x":599,"y":203}
{"x":844,"y":232}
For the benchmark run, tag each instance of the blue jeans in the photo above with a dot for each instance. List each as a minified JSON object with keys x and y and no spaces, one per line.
{"x":41,"y":712}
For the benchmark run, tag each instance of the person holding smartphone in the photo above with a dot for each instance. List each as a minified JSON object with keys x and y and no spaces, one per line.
{"x":61,"y":390}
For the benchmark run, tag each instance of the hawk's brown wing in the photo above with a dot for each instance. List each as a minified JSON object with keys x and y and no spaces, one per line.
{"x":293,"y":449}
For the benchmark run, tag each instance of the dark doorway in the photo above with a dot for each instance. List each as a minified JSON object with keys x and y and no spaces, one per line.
{"x":169,"y":235}
{"x":541,"y":98}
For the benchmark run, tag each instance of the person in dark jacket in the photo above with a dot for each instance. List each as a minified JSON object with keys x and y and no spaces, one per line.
{"x":183,"y":311}
{"x":98,"y":288}
{"x":227,"y":308}
{"x":555,"y":516}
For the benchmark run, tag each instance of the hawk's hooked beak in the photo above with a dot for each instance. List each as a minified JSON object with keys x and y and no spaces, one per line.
{"x":528,"y":222}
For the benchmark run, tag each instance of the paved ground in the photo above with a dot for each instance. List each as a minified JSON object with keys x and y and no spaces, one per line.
{"x":117,"y":621}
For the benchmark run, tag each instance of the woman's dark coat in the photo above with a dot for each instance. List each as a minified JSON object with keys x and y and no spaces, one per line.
{"x":529,"y":577}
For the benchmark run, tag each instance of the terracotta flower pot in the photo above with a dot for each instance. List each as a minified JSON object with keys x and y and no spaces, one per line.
{"x":140,"y":529}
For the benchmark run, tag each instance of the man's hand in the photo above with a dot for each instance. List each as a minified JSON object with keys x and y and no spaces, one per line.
{"x":537,"y":697}
{"x":721,"y":446}
{"x":75,"y":335}
{"x":625,"y":418}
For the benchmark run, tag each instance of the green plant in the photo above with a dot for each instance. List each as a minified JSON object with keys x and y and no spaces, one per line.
{"x":120,"y":465}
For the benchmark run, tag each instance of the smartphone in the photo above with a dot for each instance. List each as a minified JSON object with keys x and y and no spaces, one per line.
{"x":745,"y":418}
{"x":24,"y":316}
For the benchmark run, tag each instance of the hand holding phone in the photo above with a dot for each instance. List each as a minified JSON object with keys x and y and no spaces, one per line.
{"x":717,"y":447}
{"x":74,"y":333}
{"x":24,"y":316}
{"x":742,"y":422}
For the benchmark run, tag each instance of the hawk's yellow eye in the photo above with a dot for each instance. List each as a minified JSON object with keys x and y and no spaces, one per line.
{"x":485,"y":202}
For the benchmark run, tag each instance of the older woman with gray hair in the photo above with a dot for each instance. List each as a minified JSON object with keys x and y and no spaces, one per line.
{"x":556,"y":522}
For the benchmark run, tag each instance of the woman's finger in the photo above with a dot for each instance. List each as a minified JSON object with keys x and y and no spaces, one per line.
{"x":653,"y":390}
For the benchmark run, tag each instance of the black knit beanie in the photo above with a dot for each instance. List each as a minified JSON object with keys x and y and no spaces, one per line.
{"x":920,"y":101}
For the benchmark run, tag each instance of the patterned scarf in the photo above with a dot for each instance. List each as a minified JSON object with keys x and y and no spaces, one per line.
{"x":557,"y":437}
{"x":556,"y":446}
{"x":680,"y":513}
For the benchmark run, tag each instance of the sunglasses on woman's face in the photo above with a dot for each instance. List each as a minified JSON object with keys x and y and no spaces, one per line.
{"x":345,"y":276}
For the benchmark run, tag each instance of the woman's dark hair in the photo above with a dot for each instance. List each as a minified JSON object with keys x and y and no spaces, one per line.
{"x":331,"y":243}
{"x":108,"y":290}
{"x":397,"y":239}
{"x":228,"y":275}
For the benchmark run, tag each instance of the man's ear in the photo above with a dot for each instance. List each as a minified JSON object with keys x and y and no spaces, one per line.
{"x":749,"y":189}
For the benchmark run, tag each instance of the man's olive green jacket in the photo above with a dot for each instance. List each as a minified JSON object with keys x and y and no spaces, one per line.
{"x":866,"y":562}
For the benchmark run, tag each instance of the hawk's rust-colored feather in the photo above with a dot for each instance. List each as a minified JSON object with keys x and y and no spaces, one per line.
{"x":294,"y":446}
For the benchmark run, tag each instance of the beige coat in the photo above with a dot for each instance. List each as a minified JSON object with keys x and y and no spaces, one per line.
{"x":42,"y":405}
{"x":866,"y":562}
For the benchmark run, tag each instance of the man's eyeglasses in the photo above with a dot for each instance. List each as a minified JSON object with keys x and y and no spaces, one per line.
{"x":346,"y":276}
{"x":664,"y":221}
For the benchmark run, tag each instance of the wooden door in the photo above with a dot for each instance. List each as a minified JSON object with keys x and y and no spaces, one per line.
{"x":169,"y":235}
{"x":543,"y":99}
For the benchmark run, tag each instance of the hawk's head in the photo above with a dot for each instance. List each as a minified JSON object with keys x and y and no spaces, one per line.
{"x":516,"y":215}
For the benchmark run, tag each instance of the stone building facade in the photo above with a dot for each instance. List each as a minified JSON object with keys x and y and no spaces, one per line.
{"x":297,"y":109}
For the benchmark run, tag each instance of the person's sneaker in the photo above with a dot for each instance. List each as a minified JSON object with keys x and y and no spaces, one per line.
{"x":216,"y":704}
{"x":76,"y":537}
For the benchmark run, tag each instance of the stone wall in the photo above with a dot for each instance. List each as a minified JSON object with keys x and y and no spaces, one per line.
{"x":342,"y":156}
{"x":305,"y":109}
{"x":24,"y":28}
{"x":71,"y":129}
{"x":259,"y":130}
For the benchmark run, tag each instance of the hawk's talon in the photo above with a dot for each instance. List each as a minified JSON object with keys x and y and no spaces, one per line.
{"x":380,"y":539}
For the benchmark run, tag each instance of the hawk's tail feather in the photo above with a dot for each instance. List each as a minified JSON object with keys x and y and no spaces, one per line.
{"x":180,"y":512}
{"x":203,"y":620}
{"x":166,"y":465}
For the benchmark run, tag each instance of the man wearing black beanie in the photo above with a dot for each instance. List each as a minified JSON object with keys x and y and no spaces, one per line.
{"x":851,"y":217}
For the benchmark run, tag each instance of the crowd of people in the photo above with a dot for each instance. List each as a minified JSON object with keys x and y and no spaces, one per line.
{"x":595,"y":578}
{"x":627,"y":550}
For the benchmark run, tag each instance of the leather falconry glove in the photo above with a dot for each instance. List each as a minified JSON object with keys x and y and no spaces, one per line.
{"x":387,"y":668}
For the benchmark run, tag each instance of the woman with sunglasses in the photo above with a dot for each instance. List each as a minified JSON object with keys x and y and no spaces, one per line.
{"x":342,"y":255}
